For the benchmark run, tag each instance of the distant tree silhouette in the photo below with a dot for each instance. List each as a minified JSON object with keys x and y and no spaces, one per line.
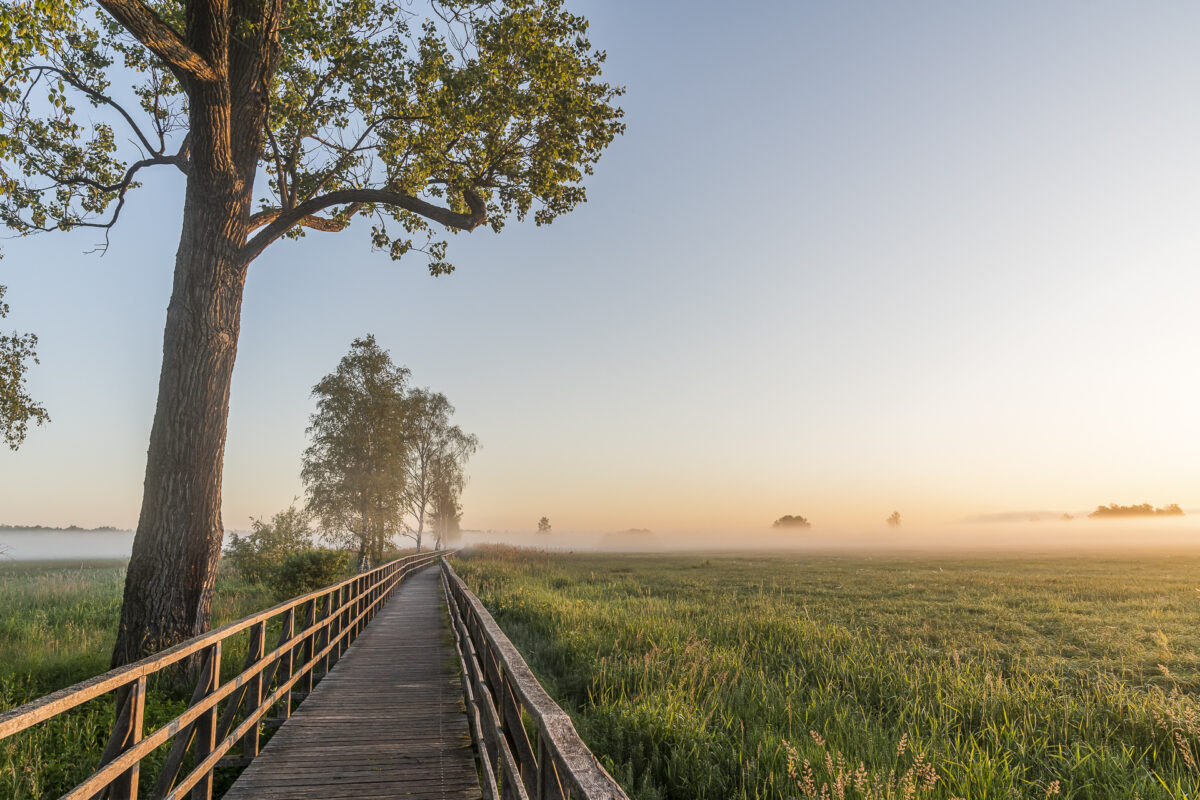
{"x":544,"y":525}
{"x":894,"y":519}
{"x":1143,"y":510}
{"x":1067,"y":517}
{"x":789,"y":521}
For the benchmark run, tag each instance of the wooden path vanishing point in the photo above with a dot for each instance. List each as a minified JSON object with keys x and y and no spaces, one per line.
{"x":422,"y":697}
{"x":387,"y":722}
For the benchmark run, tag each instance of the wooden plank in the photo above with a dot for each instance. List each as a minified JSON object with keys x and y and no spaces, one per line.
{"x":387,"y":721}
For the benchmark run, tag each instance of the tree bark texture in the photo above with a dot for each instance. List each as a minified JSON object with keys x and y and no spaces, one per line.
{"x":172,"y":570}
{"x":169,"y":585}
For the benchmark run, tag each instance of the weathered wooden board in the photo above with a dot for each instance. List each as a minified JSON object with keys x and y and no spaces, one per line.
{"x":387,"y":722}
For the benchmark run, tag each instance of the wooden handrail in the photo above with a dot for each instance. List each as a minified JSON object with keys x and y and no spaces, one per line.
{"x":500,"y":688}
{"x":332,"y":618}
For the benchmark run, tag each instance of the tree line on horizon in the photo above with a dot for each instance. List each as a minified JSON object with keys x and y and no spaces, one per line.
{"x":798,"y":521}
{"x":1142,"y":510}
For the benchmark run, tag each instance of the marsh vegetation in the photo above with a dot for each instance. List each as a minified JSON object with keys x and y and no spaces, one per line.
{"x":783,"y":676}
{"x":57,"y":626}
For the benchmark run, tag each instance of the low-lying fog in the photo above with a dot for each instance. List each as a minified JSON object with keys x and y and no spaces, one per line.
{"x":21,"y":545}
{"x":1080,"y":534}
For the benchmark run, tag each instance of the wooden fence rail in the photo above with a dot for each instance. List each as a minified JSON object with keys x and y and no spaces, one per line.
{"x":314,"y":631}
{"x":501,"y":693}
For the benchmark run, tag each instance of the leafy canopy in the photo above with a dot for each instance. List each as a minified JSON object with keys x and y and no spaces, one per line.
{"x":354,"y":467}
{"x":258,"y":554}
{"x":17,"y":408}
{"x":456,"y":112}
{"x":436,"y":460}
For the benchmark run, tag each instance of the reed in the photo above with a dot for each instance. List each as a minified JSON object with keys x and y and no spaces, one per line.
{"x":58,"y":622}
{"x":1004,"y":677}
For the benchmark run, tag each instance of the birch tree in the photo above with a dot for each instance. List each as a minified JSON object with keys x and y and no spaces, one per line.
{"x":437,"y":452}
{"x":354,"y":467}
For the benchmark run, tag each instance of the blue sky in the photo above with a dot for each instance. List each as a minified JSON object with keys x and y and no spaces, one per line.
{"x":849,"y":257}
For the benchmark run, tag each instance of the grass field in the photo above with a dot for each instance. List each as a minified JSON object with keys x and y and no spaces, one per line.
{"x":726,"y":676}
{"x":58,"y":622}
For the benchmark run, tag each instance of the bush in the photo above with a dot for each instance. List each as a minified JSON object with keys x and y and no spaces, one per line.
{"x":307,"y":571}
{"x":256,"y":555}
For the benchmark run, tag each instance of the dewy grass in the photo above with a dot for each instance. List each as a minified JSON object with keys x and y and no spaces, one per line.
{"x":58,"y":622}
{"x":1005,"y":677}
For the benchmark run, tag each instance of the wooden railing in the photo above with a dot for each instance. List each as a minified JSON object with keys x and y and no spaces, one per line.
{"x":501,"y":694}
{"x":314,"y":630}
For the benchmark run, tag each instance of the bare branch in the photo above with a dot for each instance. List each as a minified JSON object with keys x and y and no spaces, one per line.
{"x":121,"y":188}
{"x":285,"y":220}
{"x":160,"y":38}
{"x":123,"y":184}
{"x":75,"y":81}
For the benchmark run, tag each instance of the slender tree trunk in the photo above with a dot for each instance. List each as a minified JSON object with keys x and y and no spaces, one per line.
{"x":169,"y":585}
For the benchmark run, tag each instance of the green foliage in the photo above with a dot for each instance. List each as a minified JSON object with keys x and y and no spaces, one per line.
{"x":1004,"y":674}
{"x":446,"y":514}
{"x":435,"y":463}
{"x":258,"y":554}
{"x":57,"y":625}
{"x":383,"y":460}
{"x":789,"y":521}
{"x":17,"y":408}
{"x":307,"y":571}
{"x":354,"y":466}
{"x":455,"y":108}
{"x":1143,"y":510}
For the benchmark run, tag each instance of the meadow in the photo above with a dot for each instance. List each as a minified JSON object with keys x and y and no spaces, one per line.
{"x":866,"y":676}
{"x":58,"y":621}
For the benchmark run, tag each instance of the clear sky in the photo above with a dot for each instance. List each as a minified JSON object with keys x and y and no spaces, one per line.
{"x":938,"y":257}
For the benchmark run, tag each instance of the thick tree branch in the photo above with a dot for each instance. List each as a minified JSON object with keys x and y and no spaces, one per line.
{"x":327,"y":224}
{"x":160,"y":38}
{"x":284,"y":220}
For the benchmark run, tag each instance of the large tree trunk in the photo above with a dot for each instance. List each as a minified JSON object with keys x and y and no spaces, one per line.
{"x":169,"y":585}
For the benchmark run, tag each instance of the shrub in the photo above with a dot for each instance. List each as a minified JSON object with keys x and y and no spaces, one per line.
{"x":256,"y":555}
{"x":307,"y":571}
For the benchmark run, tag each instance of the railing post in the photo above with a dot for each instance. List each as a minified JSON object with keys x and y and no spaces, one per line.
{"x":130,"y":718}
{"x":206,"y":723}
{"x":254,"y":688}
{"x":333,"y":616}
{"x":549,"y":787}
{"x":310,"y":619}
{"x":286,"y":662}
{"x":358,"y":606}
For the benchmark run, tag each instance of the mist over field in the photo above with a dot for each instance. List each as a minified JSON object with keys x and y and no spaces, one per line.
{"x":1046,"y":535}
{"x":33,"y":545}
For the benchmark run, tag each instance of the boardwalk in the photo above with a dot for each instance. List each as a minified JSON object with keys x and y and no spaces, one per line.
{"x":387,"y":722}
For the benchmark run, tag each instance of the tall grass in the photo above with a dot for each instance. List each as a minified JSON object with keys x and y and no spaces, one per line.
{"x":788,"y":676}
{"x":58,"y":622}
